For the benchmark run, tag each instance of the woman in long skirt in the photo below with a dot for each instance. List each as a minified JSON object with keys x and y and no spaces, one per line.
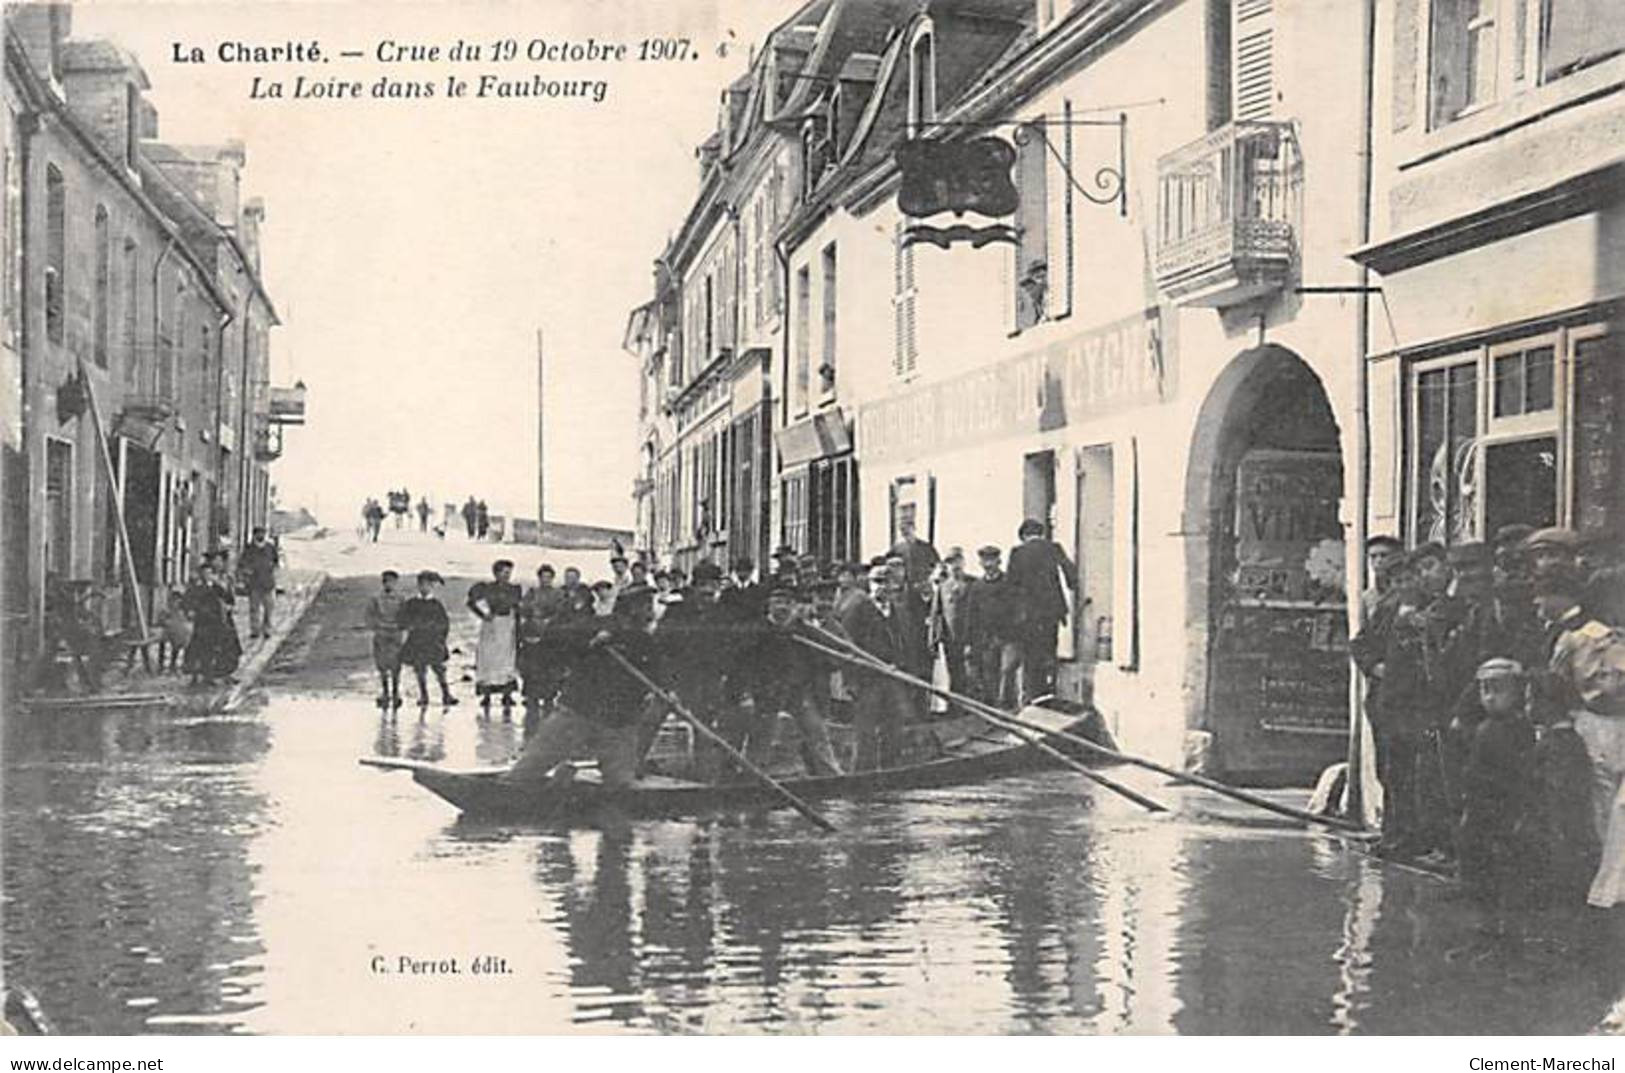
{"x":496,"y":604}
{"x":215,"y":649}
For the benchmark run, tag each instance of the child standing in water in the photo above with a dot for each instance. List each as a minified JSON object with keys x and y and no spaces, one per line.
{"x":424,"y":619}
{"x":384,"y":620}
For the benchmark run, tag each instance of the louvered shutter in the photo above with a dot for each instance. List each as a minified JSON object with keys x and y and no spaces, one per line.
{"x":906,"y":353}
{"x":1406,"y":51}
{"x":1253,"y":35}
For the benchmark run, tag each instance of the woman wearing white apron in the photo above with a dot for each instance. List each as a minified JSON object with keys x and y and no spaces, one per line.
{"x":496,"y":604}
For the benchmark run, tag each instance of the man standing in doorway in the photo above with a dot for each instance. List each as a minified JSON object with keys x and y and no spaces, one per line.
{"x":257,"y":567}
{"x":1042,"y":576}
{"x":920,"y":559}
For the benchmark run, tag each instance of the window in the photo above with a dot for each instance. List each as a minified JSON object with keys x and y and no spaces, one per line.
{"x":922,"y":81}
{"x":59,"y":507}
{"x":100,"y":328}
{"x":905,"y":353}
{"x":56,"y":252}
{"x":1523,"y":382}
{"x":1485,"y":50}
{"x":710,"y":322}
{"x":11,"y":229}
{"x":132,"y":294}
{"x":1489,"y":445}
{"x":1598,"y":424}
{"x":832,"y":509}
{"x":826,"y":371}
{"x":793,"y":520}
{"x":803,"y":343}
{"x":1445,"y":476}
{"x":1575,"y":34}
{"x":1031,"y":252}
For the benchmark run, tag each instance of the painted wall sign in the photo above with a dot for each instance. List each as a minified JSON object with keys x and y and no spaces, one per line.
{"x":1123,"y":364}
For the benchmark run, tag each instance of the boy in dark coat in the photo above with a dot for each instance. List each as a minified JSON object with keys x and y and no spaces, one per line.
{"x":424,"y":619}
{"x":1495,"y":790}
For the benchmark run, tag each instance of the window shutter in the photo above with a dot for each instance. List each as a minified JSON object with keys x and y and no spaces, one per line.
{"x":931,"y":508}
{"x":906,"y":352}
{"x":1062,"y":281}
{"x":1254,"y":66}
{"x":1032,"y":225}
{"x":1406,"y":49}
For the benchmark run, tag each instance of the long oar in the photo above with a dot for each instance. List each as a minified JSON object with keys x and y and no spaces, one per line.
{"x":676,"y":706}
{"x":1112,"y":754}
{"x":1022,"y":731}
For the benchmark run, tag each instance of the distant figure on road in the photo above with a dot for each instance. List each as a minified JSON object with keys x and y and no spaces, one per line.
{"x":374,"y":513}
{"x":471,"y":516}
{"x":423,"y":515}
{"x":482,"y":520}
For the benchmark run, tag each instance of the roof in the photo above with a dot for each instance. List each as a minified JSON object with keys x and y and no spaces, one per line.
{"x":99,"y":55}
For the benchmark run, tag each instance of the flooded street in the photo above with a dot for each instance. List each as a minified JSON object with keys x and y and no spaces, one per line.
{"x":243,"y":874}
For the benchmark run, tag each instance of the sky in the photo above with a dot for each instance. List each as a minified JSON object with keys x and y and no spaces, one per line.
{"x":414,"y":248}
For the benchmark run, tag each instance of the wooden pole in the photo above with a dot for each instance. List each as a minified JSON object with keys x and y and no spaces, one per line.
{"x":716,"y":739}
{"x":106,"y":453}
{"x":1021,"y":731}
{"x":541,"y":441}
{"x":1112,"y":754}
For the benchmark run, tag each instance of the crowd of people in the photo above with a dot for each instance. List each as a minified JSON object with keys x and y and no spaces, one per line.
{"x":1496,"y":695}
{"x":728,"y":645}
{"x":193,"y":630}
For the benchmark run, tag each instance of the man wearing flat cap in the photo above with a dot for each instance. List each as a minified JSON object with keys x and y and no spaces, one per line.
{"x":1555,"y":547}
{"x":991,"y":613}
{"x":1399,"y":648}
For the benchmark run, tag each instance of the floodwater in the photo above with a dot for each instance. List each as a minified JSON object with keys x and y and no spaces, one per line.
{"x":244,"y":874}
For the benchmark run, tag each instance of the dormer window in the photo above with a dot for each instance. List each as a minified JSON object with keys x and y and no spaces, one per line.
{"x":922,"y":80}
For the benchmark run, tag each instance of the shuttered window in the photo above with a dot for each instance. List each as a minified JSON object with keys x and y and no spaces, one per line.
{"x":905,"y":354}
{"x":1032,"y":227}
{"x":1254,"y":67}
{"x":56,"y":254}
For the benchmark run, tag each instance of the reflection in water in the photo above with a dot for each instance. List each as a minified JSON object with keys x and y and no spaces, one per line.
{"x":245,"y":874}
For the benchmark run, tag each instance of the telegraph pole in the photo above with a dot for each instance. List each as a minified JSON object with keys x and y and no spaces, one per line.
{"x":541,"y":439}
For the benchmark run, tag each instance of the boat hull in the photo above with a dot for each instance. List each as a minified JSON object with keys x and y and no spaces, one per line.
{"x":487,"y":794}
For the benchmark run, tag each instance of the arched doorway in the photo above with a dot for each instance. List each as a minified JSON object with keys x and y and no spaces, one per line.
{"x":1268,"y":632}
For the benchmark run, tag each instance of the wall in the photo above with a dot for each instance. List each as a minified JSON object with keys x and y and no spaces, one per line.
{"x":1155,"y":690}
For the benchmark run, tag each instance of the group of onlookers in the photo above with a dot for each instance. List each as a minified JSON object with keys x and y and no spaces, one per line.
{"x":1496,"y":695}
{"x":193,"y":628}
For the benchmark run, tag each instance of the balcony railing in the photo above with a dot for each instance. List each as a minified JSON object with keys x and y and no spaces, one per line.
{"x":1227,"y":213}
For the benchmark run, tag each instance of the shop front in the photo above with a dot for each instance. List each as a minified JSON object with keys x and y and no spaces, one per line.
{"x":1506,"y":402}
{"x":819,"y":495}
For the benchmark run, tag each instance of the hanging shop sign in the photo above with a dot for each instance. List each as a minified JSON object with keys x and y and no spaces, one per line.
{"x":956,"y":177}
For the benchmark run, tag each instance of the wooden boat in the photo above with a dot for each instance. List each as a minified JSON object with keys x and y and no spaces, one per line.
{"x":945,"y":752}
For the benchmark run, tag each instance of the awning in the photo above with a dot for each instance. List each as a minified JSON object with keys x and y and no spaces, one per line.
{"x":819,"y":436}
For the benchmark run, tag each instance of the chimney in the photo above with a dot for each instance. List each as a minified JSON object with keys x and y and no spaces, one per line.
{"x":149,"y":120}
{"x":41,"y":28}
{"x":104,"y":85}
{"x":248,"y":232}
{"x":230,"y":159}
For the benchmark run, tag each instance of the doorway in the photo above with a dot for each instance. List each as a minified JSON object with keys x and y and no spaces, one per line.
{"x":1038,"y":489}
{"x":1266,"y":475}
{"x":1094,"y":547}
